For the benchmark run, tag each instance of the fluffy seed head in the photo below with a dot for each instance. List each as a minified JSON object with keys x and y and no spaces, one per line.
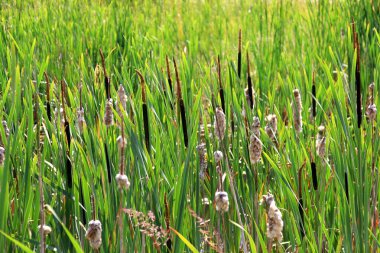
{"x":271,"y":127}
{"x":2,"y":155}
{"x":94,"y":234}
{"x":6,"y":129}
{"x":221,"y":201}
{"x":255,"y":145}
{"x":219,"y":124}
{"x":121,"y":142}
{"x":256,"y":126}
{"x":371,"y":112}
{"x":274,"y":222}
{"x":218,"y":155}
{"x":122,"y":181}
{"x":80,"y":119}
{"x":122,"y":102}
{"x":47,"y":229}
{"x":108,"y":115}
{"x":202,"y":160}
{"x":320,"y":144}
{"x":297,"y":111}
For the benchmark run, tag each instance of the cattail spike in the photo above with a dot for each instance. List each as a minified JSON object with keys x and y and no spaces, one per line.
{"x":239,"y":55}
{"x":169,"y":75}
{"x":145,"y":111}
{"x":48,"y":109}
{"x":314,"y":98}
{"x":181,"y":106}
{"x":250,"y":93}
{"x":221,"y":91}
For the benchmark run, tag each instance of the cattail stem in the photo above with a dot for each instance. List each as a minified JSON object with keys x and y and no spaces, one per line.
{"x":239,"y":55}
{"x":346,"y":186}
{"x":221,"y":91}
{"x":169,"y":75}
{"x":108,"y":163}
{"x":48,"y":109}
{"x":167,"y":222}
{"x":314,"y":98}
{"x":357,"y":77}
{"x":145,"y":111}
{"x":181,"y":105}
{"x":249,"y":80}
{"x":68,"y":138}
{"x":107,"y":81}
{"x":314,"y":175}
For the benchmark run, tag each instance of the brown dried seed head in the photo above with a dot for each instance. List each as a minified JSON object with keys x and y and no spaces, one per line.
{"x":218,"y":155}
{"x":297,"y":111}
{"x":94,"y":234}
{"x":80,"y":119}
{"x":219,"y":124}
{"x":371,"y":112}
{"x":122,"y":102}
{"x":221,"y":201}
{"x":122,"y":181}
{"x":274,"y":222}
{"x":271,"y":127}
{"x":108,"y":115}
{"x":320,"y":144}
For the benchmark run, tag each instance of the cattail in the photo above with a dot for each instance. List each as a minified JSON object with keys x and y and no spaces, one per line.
{"x":297,"y":111}
{"x":321,"y":142}
{"x":255,"y":145}
{"x":371,"y":110}
{"x":122,"y":181}
{"x":248,"y":98}
{"x":108,"y":115}
{"x":271,"y":127}
{"x":2,"y":155}
{"x":94,"y":234}
{"x":80,"y":119}
{"x":6,"y":129}
{"x":47,"y":229}
{"x":274,"y":222}
{"x":202,"y":160}
{"x":219,"y":124}
{"x":239,"y":54}
{"x":221,"y":201}
{"x":218,"y":155}
{"x":122,"y":102}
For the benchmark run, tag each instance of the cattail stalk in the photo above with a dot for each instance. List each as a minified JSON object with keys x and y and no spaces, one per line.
{"x":107,"y":80}
{"x":169,"y":75}
{"x":239,"y":55}
{"x":68,"y":138}
{"x":221,"y":91}
{"x":167,"y":222}
{"x":48,"y":109}
{"x":249,"y":80}
{"x":145,"y":111}
{"x":357,"y":77}
{"x":181,"y":105}
{"x":297,"y":111}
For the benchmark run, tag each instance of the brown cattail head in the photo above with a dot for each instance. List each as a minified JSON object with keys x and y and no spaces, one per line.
{"x":255,"y":145}
{"x":271,"y":127}
{"x":274,"y":222}
{"x":122,"y":181}
{"x":80,"y":119}
{"x":121,"y":141}
{"x":221,"y":201}
{"x":220,"y":124}
{"x":168,"y":73}
{"x":94,"y":234}
{"x":321,"y":142}
{"x":6,"y":131}
{"x":108,"y":115}
{"x":256,"y":126}
{"x":297,"y":111}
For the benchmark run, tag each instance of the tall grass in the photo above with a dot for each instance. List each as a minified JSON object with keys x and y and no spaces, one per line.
{"x":47,"y":48}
